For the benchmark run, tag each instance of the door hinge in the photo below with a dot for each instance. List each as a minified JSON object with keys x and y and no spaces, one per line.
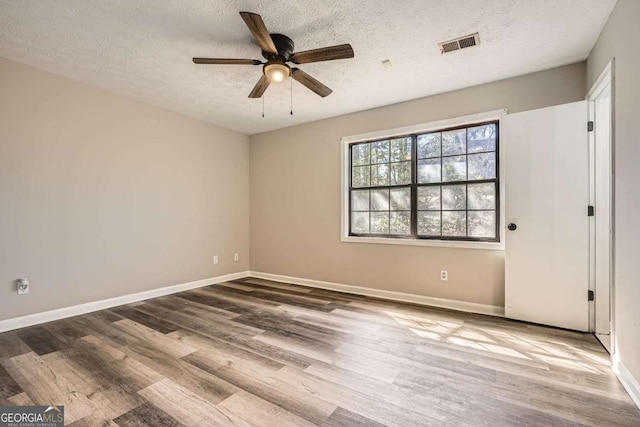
{"x":591,"y":296}
{"x":591,"y":211}
{"x":590,"y":126}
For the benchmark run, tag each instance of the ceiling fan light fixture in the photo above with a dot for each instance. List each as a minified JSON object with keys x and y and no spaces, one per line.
{"x":277,"y":72}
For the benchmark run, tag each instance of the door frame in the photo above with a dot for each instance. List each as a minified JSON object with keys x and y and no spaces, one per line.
{"x":604,"y":81}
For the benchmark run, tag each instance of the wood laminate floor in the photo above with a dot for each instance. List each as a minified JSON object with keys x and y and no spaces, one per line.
{"x":259,"y":353}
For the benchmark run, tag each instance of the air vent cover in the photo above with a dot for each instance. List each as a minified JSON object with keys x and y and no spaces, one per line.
{"x":459,"y":43}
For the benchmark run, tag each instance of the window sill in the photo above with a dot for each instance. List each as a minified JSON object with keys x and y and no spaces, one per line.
{"x":493,"y":246}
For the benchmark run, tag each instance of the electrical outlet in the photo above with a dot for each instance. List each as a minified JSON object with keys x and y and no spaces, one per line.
{"x":23,"y":286}
{"x":444,"y":275}
{"x":215,"y":259}
{"x":236,"y":257}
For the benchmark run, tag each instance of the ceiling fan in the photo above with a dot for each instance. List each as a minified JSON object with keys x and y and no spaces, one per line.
{"x":277,"y":49}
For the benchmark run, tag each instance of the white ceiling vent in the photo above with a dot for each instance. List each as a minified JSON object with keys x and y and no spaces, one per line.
{"x":459,"y":43}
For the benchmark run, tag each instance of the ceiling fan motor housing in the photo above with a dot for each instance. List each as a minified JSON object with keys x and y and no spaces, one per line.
{"x":283,"y":44}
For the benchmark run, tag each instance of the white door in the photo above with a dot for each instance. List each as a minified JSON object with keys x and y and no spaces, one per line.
{"x":546,"y":198}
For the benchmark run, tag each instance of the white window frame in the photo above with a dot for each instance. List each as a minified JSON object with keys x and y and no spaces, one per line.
{"x":345,"y":171}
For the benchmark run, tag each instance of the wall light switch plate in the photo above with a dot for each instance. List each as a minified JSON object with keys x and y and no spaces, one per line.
{"x":23,"y":286}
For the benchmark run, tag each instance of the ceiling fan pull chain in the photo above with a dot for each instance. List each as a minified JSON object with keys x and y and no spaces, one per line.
{"x":263,"y":106}
{"x":291,"y":113}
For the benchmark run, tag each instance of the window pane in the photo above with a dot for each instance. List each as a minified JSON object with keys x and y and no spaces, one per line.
{"x":400,"y":173}
{"x":429,"y":223}
{"x":400,"y":149}
{"x":447,"y":203}
{"x":379,"y":200}
{"x":454,"y":223}
{"x":482,"y":224}
{"x":380,"y":174}
{"x":360,"y":200}
{"x":400,"y":199}
{"x":360,"y":222}
{"x":454,"y":168}
{"x":482,"y":196}
{"x":380,"y":152}
{"x":429,"y":170}
{"x":360,"y":176}
{"x":482,"y":166}
{"x":360,"y":154}
{"x":454,"y":197}
{"x":482,"y":138}
{"x":454,"y":142}
{"x":400,"y":223}
{"x":429,"y":145}
{"x":380,"y":222}
{"x":429,"y":198}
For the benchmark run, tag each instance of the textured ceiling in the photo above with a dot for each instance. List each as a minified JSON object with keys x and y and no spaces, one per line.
{"x":143,"y":49}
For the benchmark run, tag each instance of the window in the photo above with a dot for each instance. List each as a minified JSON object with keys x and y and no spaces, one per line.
{"x":439,"y":185}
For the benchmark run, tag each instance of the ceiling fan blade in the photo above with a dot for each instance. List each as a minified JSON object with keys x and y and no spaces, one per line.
{"x":226,"y":61}
{"x":323,"y":54}
{"x":260,"y":87}
{"x":310,"y":82}
{"x":259,"y":31}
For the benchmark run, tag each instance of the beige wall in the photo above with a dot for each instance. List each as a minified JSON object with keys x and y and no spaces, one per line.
{"x":619,"y":40}
{"x":101,"y":196}
{"x":295,"y":196}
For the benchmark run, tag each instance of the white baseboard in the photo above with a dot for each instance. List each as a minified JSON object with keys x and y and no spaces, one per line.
{"x":469,"y":307}
{"x":628,"y":381}
{"x":75,"y":310}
